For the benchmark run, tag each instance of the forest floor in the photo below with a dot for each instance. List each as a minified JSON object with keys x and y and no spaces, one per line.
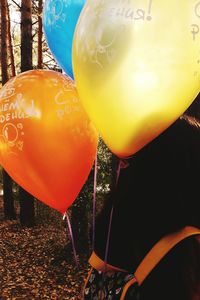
{"x":32,"y":264}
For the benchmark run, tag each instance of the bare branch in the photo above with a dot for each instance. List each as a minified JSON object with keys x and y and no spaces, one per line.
{"x":16,"y":4}
{"x":35,"y":22}
{"x":18,"y":23}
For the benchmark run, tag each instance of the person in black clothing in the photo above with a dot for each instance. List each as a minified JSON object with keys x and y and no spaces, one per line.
{"x":157,"y":194}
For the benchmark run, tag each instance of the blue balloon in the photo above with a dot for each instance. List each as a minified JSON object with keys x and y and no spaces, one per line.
{"x":59,"y":22}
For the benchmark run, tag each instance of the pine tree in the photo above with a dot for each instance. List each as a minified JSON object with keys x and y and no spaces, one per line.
{"x":40,"y":34}
{"x":26,"y":200}
{"x":9,"y":210}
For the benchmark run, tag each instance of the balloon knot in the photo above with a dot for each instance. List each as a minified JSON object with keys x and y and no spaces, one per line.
{"x":64,"y":216}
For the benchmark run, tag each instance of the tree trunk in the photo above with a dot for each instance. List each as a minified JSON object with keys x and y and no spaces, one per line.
{"x":80,"y":215}
{"x":9,"y":210}
{"x":79,"y":221}
{"x":10,"y":47}
{"x":4,"y":41}
{"x":26,"y":200}
{"x":27,"y":212}
{"x":26,"y":36}
{"x":40,"y":58}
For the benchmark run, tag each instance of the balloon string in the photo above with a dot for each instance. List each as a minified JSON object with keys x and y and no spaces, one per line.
{"x":108,"y":237}
{"x":66,"y":216}
{"x":120,"y":166}
{"x":94,"y":202}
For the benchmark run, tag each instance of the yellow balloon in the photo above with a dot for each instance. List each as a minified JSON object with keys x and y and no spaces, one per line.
{"x":137,"y":67}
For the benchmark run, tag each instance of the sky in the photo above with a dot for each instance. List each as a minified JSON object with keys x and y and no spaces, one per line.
{"x":14,"y":13}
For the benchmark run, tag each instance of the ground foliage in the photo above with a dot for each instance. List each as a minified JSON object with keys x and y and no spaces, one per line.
{"x":35,"y":263}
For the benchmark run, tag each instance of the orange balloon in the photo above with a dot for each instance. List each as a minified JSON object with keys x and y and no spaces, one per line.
{"x":47,"y":143}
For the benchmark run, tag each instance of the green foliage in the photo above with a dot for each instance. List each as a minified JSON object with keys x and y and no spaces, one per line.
{"x":103,"y":180}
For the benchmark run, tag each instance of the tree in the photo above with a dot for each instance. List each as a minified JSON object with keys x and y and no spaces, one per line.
{"x":40,"y":34}
{"x":26,"y":200}
{"x":26,"y":36}
{"x":9,"y":210}
{"x":82,"y":210}
{"x":79,"y":217}
{"x":4,"y":41}
{"x":10,"y":46}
